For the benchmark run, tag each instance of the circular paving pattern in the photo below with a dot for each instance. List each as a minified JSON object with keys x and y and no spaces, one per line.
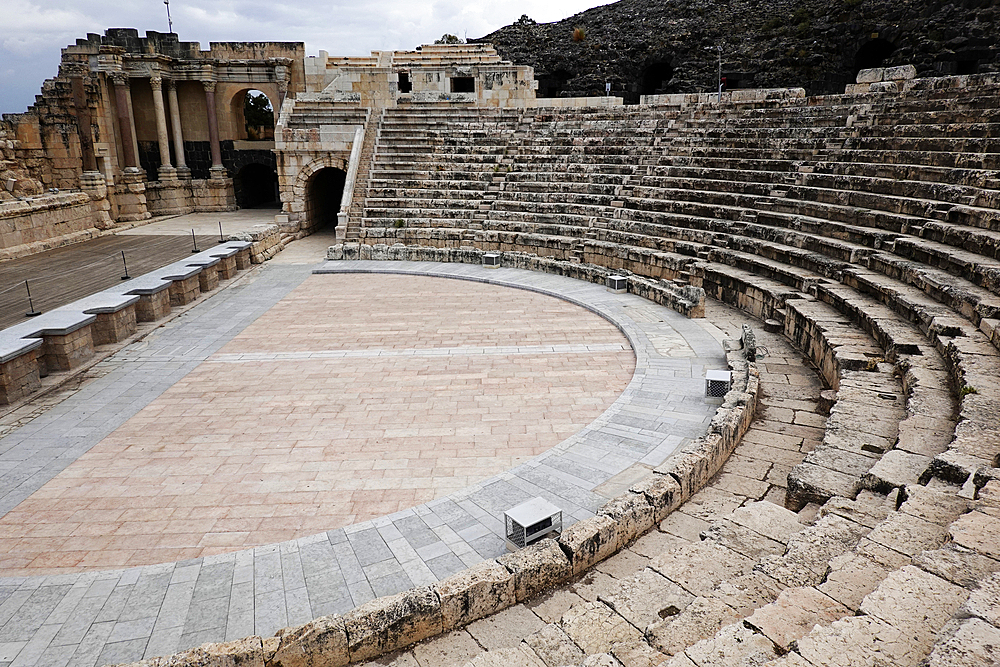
{"x":353,"y":397}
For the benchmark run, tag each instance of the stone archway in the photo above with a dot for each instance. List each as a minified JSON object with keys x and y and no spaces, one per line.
{"x":253,"y":115}
{"x":323,"y":193}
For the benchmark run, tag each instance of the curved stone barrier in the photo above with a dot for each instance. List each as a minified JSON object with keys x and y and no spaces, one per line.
{"x":393,"y":622}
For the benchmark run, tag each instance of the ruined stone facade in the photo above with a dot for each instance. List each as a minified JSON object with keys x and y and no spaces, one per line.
{"x":143,"y":126}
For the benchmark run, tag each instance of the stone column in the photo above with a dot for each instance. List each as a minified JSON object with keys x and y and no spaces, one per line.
{"x":83,"y":124}
{"x":213,"y":130}
{"x":166,"y":170}
{"x":120,"y":80}
{"x":281,"y":75}
{"x":175,"y":121}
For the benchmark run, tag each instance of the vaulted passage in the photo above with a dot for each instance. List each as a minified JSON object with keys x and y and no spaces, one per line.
{"x":323,"y":194}
{"x":655,"y":78}
{"x":873,"y":54}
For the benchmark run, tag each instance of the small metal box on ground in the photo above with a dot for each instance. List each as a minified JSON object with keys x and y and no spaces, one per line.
{"x":718,"y":383}
{"x":617,"y":283}
{"x":491,"y":260}
{"x":531,"y":521}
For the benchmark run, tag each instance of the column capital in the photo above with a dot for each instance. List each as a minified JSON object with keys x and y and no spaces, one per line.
{"x":209,"y":86}
{"x":156,"y":82}
{"x":119,"y":78}
{"x":171,"y":84}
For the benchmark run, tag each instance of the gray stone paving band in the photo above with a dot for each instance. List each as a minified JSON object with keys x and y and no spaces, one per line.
{"x":96,"y":618}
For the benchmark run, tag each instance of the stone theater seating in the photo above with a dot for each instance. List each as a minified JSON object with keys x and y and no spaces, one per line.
{"x":866,"y":228}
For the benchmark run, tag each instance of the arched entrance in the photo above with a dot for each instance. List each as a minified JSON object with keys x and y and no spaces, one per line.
{"x":253,"y":115}
{"x":655,"y":78}
{"x":256,"y":186}
{"x":873,"y":54}
{"x":324,"y":191}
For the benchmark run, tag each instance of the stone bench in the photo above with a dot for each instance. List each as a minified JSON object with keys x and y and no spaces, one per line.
{"x":66,"y":338}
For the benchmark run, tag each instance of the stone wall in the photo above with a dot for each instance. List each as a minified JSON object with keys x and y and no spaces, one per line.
{"x":48,"y":221}
{"x":684,"y":299}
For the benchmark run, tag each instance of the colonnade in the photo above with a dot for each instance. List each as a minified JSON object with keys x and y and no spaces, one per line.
{"x":126,"y":124}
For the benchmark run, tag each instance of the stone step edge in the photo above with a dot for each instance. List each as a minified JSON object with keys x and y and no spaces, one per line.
{"x":389,"y":623}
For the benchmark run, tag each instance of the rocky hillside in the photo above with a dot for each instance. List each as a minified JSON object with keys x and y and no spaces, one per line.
{"x":652,"y":46}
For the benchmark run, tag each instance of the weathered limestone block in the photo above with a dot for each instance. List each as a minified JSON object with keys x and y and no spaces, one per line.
{"x":914,"y":601}
{"x":536,"y":568}
{"x":647,"y":598}
{"x":245,"y":652}
{"x":733,"y":645}
{"x":696,"y":464}
{"x":483,"y":589}
{"x":742,"y":540}
{"x":600,"y":660}
{"x":852,"y":576}
{"x":589,"y":541}
{"x":391,"y":622}
{"x":973,"y":643}
{"x":698,"y":568}
{"x":907,"y":534}
{"x":811,"y":483}
{"x":794,"y":614}
{"x":959,"y":565}
{"x":319,"y":643}
{"x":595,"y":627}
{"x":856,"y":88}
{"x":506,"y":657}
{"x":554,"y":647}
{"x":939,"y":507}
{"x":746,"y":593}
{"x":632,"y":514}
{"x":767,"y":519}
{"x":860,"y":640}
{"x":884,"y":87}
{"x":662,"y":492}
{"x":894,"y":470}
{"x":810,"y":550}
{"x":637,"y":654}
{"x":900,"y":73}
{"x":977,"y":531}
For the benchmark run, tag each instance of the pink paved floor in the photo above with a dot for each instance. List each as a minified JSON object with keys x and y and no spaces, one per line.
{"x":249,"y":452}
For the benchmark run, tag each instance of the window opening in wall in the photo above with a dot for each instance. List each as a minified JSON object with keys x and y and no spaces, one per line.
{"x":258,"y":116}
{"x":463,"y":84}
{"x":405,"y":86}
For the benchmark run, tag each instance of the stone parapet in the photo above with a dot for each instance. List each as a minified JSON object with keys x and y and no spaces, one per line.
{"x":685,"y":299}
{"x":390,"y":623}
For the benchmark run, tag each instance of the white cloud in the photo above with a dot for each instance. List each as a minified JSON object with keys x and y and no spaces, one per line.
{"x":33,"y":31}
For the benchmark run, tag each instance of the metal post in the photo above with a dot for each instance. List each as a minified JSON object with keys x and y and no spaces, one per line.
{"x":719,"y":47}
{"x":31,"y":306}
{"x":125,"y":264}
{"x":222,"y":239}
{"x":194,"y":240}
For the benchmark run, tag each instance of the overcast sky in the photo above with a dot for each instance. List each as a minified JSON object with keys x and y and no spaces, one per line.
{"x":33,"y":31}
